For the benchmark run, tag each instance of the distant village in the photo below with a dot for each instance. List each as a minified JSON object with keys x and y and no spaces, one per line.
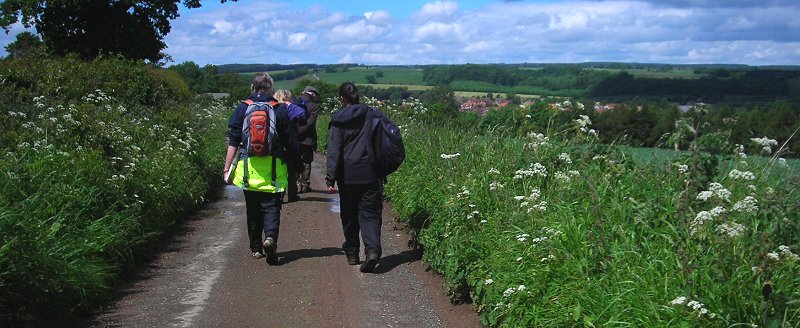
{"x":481,"y":105}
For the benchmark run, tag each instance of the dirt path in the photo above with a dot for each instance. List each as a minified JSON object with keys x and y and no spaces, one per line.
{"x":205,"y":276}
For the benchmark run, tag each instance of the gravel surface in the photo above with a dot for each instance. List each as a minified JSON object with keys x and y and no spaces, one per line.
{"x":204,"y":275}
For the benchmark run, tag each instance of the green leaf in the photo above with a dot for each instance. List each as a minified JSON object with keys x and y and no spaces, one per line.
{"x":576,"y":312}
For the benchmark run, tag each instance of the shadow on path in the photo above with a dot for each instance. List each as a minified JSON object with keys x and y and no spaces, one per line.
{"x":392,"y":261}
{"x":294,"y":255}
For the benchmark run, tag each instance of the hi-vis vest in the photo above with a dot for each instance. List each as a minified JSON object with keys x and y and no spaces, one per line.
{"x":259,"y":171}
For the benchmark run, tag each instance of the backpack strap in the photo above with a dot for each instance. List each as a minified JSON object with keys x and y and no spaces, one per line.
{"x":248,"y":102}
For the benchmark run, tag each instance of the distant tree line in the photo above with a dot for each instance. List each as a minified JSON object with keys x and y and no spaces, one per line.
{"x":754,"y":83}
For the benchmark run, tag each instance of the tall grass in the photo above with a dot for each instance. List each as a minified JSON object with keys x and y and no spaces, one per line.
{"x":553,"y":230}
{"x":90,"y":173}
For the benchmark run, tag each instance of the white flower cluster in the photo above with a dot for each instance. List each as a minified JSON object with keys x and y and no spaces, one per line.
{"x":464,"y":193}
{"x":510,"y":291}
{"x":783,"y":253}
{"x":530,"y":199}
{"x":536,"y":140}
{"x":548,"y":258}
{"x":703,"y":217}
{"x":472,"y":215}
{"x":782,"y":162}
{"x":741,"y":175}
{"x":748,"y":204}
{"x":496,"y":185}
{"x":731,"y":229}
{"x":715,"y":189}
{"x":583,"y":124}
{"x":695,"y":306}
{"x":564,"y":157}
{"x":446,"y":156}
{"x":533,"y":170}
{"x":682,"y":168}
{"x":522,"y":237}
{"x":494,"y":171}
{"x":739,"y":151}
{"x":566,"y":176}
{"x":488,"y":281}
{"x":765,"y":143}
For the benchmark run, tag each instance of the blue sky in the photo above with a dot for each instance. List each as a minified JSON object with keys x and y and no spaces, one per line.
{"x":753,"y":32}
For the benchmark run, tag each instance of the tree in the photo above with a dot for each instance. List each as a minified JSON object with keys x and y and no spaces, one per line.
{"x":26,"y":44}
{"x":134,"y":29}
{"x":379,"y":74}
{"x":371,"y":79}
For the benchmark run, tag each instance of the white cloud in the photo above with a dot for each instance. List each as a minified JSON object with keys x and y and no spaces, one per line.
{"x":440,"y":32}
{"x":348,"y":58}
{"x":359,"y":31}
{"x":438,"y":9}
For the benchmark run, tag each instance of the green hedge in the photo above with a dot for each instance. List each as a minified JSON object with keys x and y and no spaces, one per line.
{"x":99,"y":158}
{"x":555,"y":230}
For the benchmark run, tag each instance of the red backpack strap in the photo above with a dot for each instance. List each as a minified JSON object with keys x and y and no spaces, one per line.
{"x":248,"y":102}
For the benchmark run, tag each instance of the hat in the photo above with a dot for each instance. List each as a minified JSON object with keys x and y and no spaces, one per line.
{"x":310,"y":89}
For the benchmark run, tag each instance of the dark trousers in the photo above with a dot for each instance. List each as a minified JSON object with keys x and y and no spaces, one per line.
{"x":307,"y":155}
{"x":263,"y":216}
{"x":291,"y":181}
{"x":361,"y":207}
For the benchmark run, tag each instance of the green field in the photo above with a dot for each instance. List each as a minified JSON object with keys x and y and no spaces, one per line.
{"x":391,"y":75}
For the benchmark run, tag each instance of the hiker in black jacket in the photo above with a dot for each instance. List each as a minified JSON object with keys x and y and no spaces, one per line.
{"x":360,"y":187}
{"x":307,"y":135}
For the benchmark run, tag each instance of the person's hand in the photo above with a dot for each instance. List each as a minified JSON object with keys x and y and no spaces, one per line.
{"x":225,"y":177}
{"x":330,"y":184}
{"x":331,"y":189}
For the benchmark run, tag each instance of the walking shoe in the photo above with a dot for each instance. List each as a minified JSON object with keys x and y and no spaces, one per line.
{"x":269,"y":247}
{"x":306,"y":189}
{"x":257,"y":255}
{"x":370,"y":262}
{"x":352,"y":258}
{"x":293,"y":198}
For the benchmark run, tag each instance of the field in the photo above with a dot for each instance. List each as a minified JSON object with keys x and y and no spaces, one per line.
{"x":391,"y":75}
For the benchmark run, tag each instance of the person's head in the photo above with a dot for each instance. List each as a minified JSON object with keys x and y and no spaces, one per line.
{"x":311,"y":91}
{"x":283,"y":95}
{"x":348,"y":93}
{"x":262,"y":83}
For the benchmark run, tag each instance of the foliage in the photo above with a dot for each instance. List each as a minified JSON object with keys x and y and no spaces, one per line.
{"x":134,"y":29}
{"x":549,"y":228}
{"x":26,"y":44}
{"x":99,"y":158}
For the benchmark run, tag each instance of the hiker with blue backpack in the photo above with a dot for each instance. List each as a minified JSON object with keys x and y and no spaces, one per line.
{"x":261,"y":147}
{"x":298,"y":117}
{"x":307,"y":134}
{"x":363,"y":148}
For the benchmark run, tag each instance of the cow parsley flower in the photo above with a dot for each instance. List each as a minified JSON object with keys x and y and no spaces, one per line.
{"x":741,"y":175}
{"x":446,"y":156}
{"x":680,"y":300}
{"x":496,"y":185}
{"x":765,"y":143}
{"x":748,"y":204}
{"x":731,"y":229}
{"x":488,"y":281}
{"x":494,"y":171}
{"x":564,"y":157}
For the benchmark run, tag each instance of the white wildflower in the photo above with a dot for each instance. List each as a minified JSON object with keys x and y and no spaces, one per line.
{"x":682,"y":168}
{"x":521,"y":288}
{"x":509,"y":292}
{"x":564,"y":157}
{"x":496,"y":185}
{"x":748,"y":204}
{"x":731,"y":229}
{"x":704,"y":195}
{"x":494,"y":171}
{"x":765,"y":143}
{"x":773,"y":256}
{"x":741,"y":175}
{"x":680,"y":300}
{"x":488,"y":281}
{"x":446,"y":156}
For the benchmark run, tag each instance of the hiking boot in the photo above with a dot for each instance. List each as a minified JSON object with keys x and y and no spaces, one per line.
{"x":269,"y":247}
{"x":371,"y":260}
{"x":352,"y":258}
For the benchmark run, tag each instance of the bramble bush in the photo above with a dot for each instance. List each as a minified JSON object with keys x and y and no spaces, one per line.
{"x":542,"y":226}
{"x":99,"y":158}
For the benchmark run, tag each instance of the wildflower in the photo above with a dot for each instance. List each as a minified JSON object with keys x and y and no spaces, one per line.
{"x":719,"y":190}
{"x":484,"y":221}
{"x":446,"y":156}
{"x":680,"y":300}
{"x":519,"y":197}
{"x":548,"y":258}
{"x":534,"y":169}
{"x":731,"y":229}
{"x":782,"y":162}
{"x":748,"y":204}
{"x":583,"y":122}
{"x":519,"y":259}
{"x":787,"y":253}
{"x":741,"y":175}
{"x":521,"y":288}
{"x":470,"y":216}
{"x":495,"y":185}
{"x":765,"y":143}
{"x":522,"y":237}
{"x":488,"y":281}
{"x":773,"y":256}
{"x":739,"y":151}
{"x":464,"y":193}
{"x":537,"y":140}
{"x":564,"y":157}
{"x":682,"y":168}
{"x":704,"y":195}
{"x":509,"y":292}
{"x":494,"y":171}
{"x":755,"y":269}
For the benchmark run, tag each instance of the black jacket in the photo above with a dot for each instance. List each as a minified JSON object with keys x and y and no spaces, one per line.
{"x":349,"y":162}
{"x":286,"y":135}
{"x":307,"y":133}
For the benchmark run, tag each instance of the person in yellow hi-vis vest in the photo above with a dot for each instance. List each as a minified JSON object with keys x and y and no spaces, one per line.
{"x":261,"y":145}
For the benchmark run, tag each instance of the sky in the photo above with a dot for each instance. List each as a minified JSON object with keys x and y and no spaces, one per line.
{"x":407,"y":32}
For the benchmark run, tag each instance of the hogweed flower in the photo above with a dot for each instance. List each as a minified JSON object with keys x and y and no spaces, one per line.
{"x":564,"y":157}
{"x":496,"y":185}
{"x":682,"y":168}
{"x":488,"y":281}
{"x":494,"y":171}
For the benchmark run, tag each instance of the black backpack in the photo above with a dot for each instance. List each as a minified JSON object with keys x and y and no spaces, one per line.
{"x":387,"y":144}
